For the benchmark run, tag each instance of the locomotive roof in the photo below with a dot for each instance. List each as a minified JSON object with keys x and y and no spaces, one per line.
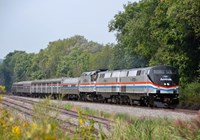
{"x":144,"y":68}
{"x":23,"y":82}
{"x":126,"y":70}
{"x":71,"y":80}
{"x":48,"y":80}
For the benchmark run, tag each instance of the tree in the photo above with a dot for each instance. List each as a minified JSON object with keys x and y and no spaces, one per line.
{"x":8,"y":68}
{"x":22,"y":69}
{"x":68,"y":57}
{"x":176,"y":28}
{"x":159,"y":32}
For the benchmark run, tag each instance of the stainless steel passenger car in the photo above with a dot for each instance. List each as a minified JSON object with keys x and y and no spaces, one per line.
{"x":70,"y":88}
{"x":36,"y":88}
{"x":46,"y":87}
{"x":22,"y":88}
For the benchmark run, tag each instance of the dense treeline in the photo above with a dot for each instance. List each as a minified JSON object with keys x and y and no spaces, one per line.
{"x":151,"y":32}
{"x":160,"y":32}
{"x":62,"y":58}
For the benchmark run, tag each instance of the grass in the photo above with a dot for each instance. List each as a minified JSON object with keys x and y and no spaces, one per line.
{"x":93,"y":112}
{"x":43,"y":127}
{"x":131,"y":128}
{"x":156,"y":129}
{"x":68,"y":106}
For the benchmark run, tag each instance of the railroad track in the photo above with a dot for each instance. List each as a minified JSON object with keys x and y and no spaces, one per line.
{"x":178,"y":110}
{"x":24,"y":110}
{"x":136,"y":111}
{"x":27,"y":104}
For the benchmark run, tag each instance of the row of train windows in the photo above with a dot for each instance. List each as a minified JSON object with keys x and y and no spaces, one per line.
{"x":124,"y":73}
{"x":44,"y":84}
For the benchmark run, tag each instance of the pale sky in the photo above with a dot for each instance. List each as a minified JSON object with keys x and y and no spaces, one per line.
{"x":29,"y":25}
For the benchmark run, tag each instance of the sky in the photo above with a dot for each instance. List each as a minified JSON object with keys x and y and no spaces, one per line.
{"x":29,"y":25}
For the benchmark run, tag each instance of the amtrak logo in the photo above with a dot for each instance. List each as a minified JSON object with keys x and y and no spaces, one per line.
{"x":165,"y":78}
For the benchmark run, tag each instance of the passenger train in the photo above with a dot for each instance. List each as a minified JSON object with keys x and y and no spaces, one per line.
{"x":149,"y":86}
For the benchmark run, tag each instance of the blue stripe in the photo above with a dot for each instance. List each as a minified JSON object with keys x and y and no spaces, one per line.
{"x":69,"y":87}
{"x":87,"y":87}
{"x":131,"y":87}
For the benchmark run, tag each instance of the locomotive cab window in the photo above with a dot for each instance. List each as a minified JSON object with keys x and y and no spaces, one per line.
{"x":142,"y":72}
{"x":164,"y":74}
{"x":94,"y":77}
{"x":169,"y":71}
{"x":102,"y":75}
{"x":138,"y":72}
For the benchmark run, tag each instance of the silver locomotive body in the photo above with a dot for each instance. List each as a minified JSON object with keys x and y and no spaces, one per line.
{"x":148,"y":86}
{"x":87,"y":85}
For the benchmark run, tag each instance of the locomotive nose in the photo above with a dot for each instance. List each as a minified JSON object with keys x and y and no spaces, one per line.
{"x":166,"y":80}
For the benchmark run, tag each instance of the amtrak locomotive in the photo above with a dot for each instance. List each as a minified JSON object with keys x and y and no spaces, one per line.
{"x":150,"y":86}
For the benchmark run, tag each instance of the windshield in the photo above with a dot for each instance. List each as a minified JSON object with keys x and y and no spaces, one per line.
{"x":166,"y":71}
{"x":164,"y":74}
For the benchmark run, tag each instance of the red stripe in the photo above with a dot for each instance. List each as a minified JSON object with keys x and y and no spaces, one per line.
{"x":130,"y":83}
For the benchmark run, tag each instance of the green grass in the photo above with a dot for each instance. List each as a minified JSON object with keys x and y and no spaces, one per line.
{"x":93,"y":112}
{"x":68,"y":106}
{"x":156,"y":129}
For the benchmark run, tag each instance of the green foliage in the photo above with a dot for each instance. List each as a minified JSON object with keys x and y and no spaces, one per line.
{"x":86,"y":127}
{"x":148,"y":129}
{"x":16,"y":128}
{"x":190,"y":93}
{"x":2,"y":89}
{"x":122,"y":116}
{"x":179,"y":41}
{"x":154,"y":32}
{"x":62,"y":58}
{"x":22,"y":69}
{"x":14,"y":68}
{"x":68,"y":106}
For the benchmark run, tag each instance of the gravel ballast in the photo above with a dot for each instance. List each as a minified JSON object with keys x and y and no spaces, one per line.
{"x":134,"y":111}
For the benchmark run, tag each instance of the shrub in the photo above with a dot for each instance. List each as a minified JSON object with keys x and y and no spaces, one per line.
{"x":190,"y":93}
{"x":2,"y":89}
